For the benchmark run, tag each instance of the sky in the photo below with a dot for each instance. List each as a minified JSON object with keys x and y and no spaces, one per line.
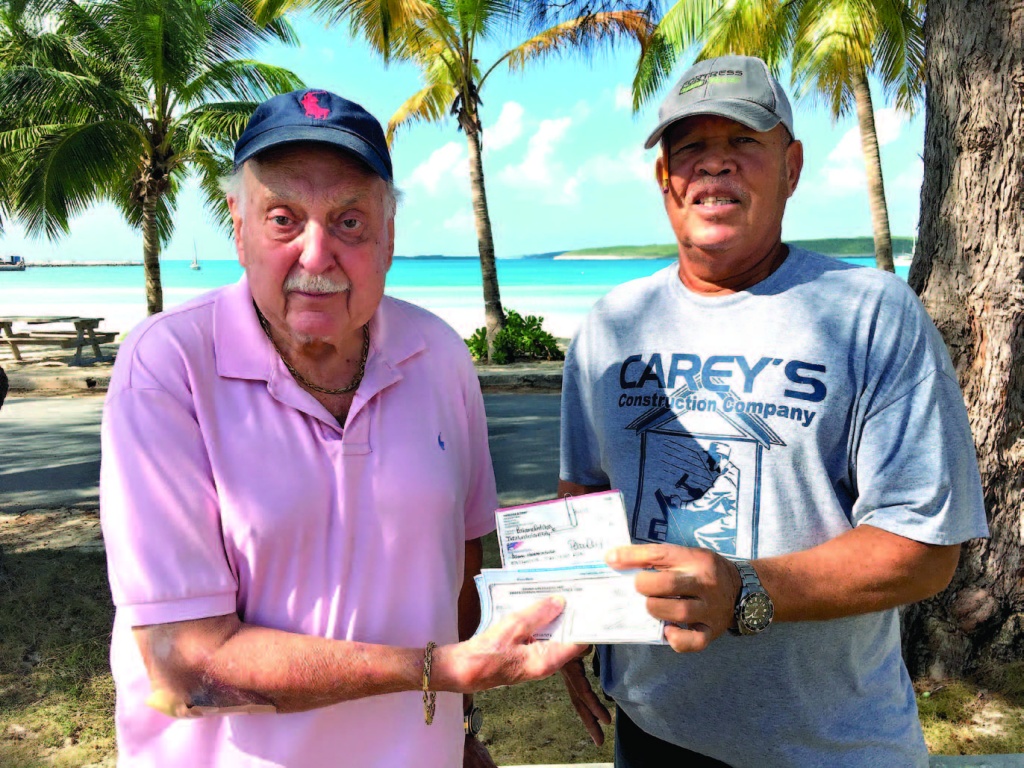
{"x":564,"y":162}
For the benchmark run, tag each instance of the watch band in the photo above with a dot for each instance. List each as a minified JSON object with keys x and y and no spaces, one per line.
{"x":748,"y":576}
{"x":754,"y":608}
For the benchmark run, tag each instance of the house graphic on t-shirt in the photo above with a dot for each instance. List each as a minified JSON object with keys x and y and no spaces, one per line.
{"x":699,"y":477}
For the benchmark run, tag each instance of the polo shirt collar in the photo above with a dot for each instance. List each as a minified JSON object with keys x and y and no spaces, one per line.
{"x":243,"y":350}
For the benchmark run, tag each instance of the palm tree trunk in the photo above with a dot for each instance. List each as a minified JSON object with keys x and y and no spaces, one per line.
{"x":151,"y":255}
{"x":873,"y":166}
{"x":494,"y":314}
{"x":967,"y":269}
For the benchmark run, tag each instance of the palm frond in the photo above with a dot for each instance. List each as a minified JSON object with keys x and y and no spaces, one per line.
{"x":239,"y":80}
{"x":652,"y":70}
{"x":762,"y":28}
{"x":211,"y":167}
{"x":69,"y":171}
{"x":834,"y":41}
{"x":579,"y":35}
{"x":384,"y":23}
{"x":430,"y":104}
{"x":900,"y":52}
{"x":679,"y":29}
{"x":219,"y":125}
{"x":37,"y":96}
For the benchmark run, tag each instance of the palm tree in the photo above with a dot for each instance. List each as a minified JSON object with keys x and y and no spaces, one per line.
{"x":441,"y":38}
{"x":114,"y":101}
{"x":832,"y":47}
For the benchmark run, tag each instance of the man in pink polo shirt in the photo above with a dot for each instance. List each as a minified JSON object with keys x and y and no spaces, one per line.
{"x":294,"y":484}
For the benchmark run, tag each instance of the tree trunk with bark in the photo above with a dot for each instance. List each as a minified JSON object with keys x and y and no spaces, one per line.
{"x":873,"y":169}
{"x":969,"y":272}
{"x":151,"y":255}
{"x":493,"y":312}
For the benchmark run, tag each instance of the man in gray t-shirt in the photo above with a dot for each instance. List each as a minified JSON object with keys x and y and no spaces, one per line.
{"x":793,"y":449}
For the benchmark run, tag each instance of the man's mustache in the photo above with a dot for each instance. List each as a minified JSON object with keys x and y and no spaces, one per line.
{"x":304,"y":283}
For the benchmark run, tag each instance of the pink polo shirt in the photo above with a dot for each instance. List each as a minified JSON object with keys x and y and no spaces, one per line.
{"x":226,"y":487}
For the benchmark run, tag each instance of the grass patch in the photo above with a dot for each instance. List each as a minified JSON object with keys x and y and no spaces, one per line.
{"x":57,"y":695}
{"x":56,"y":691}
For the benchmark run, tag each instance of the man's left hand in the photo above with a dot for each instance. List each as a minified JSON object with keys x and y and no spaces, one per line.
{"x":692,"y":589}
{"x":475,"y":754}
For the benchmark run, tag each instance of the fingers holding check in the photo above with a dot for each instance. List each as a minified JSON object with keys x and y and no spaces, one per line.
{"x":693,"y":590}
{"x":506,"y":654}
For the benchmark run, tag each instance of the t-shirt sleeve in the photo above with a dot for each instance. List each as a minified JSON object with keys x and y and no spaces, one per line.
{"x":482,"y":495}
{"x":580,"y":449}
{"x":160,"y":513}
{"x":916,"y":466}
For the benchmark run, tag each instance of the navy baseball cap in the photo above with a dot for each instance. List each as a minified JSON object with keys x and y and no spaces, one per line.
{"x":740,"y":88}
{"x":320,"y":116}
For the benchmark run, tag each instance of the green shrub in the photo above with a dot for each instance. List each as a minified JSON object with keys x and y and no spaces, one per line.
{"x":522,"y":338}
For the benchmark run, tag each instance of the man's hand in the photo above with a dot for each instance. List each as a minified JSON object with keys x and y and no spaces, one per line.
{"x":475,"y":754}
{"x":506,"y":654}
{"x":586,"y":703}
{"x":694,"y":590}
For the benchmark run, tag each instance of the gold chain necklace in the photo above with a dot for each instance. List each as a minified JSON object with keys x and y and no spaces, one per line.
{"x":302,"y":379}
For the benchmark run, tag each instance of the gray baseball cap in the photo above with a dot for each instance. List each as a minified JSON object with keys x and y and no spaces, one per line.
{"x":737,"y":87}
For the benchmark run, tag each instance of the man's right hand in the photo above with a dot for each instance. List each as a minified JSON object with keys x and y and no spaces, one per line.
{"x":504,"y":655}
{"x":586,"y":703}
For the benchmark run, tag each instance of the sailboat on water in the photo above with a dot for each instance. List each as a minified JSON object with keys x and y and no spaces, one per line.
{"x":195,"y":257}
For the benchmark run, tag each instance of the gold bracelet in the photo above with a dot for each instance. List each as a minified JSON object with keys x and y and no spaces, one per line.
{"x":429,"y":696}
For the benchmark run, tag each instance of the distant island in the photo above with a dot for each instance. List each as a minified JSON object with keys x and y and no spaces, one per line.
{"x":840,"y":246}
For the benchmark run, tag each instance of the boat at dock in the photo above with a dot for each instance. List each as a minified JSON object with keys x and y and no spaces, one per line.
{"x":12,"y":264}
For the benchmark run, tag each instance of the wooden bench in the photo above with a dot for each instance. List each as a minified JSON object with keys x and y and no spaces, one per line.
{"x":85,"y":334}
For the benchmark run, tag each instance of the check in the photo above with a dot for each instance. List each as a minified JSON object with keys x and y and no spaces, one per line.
{"x":601,"y":605}
{"x":558,"y":548}
{"x":575,"y":530}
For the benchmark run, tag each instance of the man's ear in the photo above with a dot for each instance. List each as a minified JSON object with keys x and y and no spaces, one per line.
{"x":391,"y":245}
{"x":794,"y":165}
{"x":235,"y":207}
{"x":661,"y":173}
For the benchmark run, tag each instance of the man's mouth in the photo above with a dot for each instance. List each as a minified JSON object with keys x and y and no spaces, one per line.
{"x":713,"y":201}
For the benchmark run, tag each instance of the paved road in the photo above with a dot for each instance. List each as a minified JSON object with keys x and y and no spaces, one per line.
{"x":50,"y":449}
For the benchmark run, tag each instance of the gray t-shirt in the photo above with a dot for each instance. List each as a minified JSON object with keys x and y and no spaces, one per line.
{"x":757,"y":424}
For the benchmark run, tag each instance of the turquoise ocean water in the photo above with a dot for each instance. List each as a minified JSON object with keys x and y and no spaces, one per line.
{"x":562,"y":291}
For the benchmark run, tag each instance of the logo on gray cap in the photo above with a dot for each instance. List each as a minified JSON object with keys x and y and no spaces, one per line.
{"x":739,"y":88}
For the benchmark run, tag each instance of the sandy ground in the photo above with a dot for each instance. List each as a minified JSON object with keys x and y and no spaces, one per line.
{"x":59,"y":528}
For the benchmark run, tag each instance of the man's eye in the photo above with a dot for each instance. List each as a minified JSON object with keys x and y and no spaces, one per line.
{"x":350,"y":224}
{"x":280,"y":221}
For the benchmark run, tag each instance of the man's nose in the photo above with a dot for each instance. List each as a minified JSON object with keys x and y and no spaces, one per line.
{"x":716,"y":161}
{"x":317,"y":256}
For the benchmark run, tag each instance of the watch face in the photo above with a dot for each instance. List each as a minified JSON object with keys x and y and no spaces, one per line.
{"x":756,"y":612}
{"x":476,"y":721}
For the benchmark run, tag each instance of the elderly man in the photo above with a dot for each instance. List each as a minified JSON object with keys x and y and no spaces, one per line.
{"x":295,"y":480}
{"x":851,"y":469}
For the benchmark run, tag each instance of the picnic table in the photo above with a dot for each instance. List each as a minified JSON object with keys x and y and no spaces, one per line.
{"x":83,"y":335}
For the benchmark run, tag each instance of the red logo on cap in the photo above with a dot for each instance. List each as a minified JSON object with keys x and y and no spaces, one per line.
{"x":311,"y":104}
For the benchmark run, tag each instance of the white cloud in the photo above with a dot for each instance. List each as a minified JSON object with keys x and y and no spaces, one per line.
{"x":537,"y":168}
{"x":461,"y":222}
{"x":888,"y":126}
{"x":507,"y":128}
{"x":910,"y":180}
{"x":623,"y":98}
{"x":843,"y":171}
{"x":450,"y":161}
{"x":630,"y":166}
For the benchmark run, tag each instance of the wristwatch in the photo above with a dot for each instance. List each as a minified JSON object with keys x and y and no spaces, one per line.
{"x":473,"y":721}
{"x":754,"y":609}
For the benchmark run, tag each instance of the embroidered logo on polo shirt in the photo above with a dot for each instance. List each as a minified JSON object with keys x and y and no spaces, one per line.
{"x":440,"y":442}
